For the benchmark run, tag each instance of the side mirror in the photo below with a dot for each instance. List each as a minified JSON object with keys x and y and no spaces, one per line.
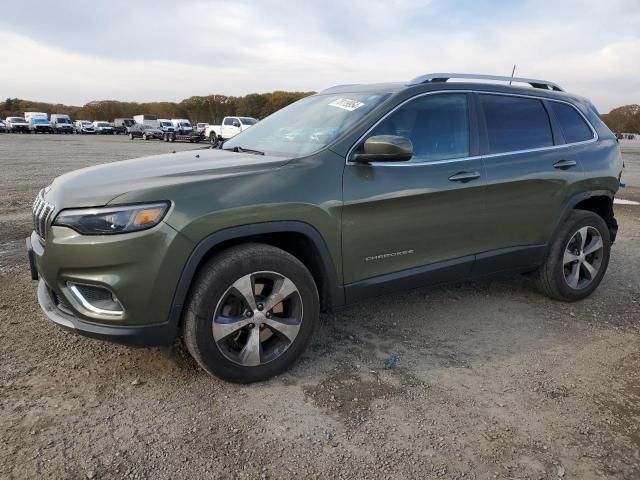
{"x":236,"y":124}
{"x":385,"y":148}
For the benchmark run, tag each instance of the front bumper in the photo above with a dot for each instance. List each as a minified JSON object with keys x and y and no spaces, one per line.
{"x":136,"y":336}
{"x":141,"y":269}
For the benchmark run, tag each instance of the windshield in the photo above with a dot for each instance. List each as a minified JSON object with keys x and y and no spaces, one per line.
{"x":87,"y":124}
{"x":185,"y":124}
{"x":165,"y":124}
{"x":307,"y":125}
{"x":16,"y":119}
{"x":128,"y":122}
{"x":63,"y":120}
{"x":103,"y":124}
{"x":248,"y":121}
{"x":40,"y":121}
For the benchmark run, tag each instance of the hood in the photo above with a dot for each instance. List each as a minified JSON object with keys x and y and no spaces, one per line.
{"x":97,"y":186}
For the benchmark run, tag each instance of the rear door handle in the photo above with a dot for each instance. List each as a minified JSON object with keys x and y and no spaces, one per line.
{"x":564,"y":164}
{"x":464,"y":177}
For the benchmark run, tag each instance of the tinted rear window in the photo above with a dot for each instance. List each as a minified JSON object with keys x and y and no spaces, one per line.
{"x":574,"y":128}
{"x":515,"y":123}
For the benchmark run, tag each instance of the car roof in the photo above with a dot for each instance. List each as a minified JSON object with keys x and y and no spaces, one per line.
{"x":455,"y":81}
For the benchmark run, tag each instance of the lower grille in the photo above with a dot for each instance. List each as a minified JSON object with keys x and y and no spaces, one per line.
{"x":42,"y":211}
{"x":61,"y":302}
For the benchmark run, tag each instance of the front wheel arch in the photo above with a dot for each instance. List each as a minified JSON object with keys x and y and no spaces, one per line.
{"x":284,"y":235}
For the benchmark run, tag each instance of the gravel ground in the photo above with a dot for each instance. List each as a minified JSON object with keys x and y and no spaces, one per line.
{"x":493,"y":380}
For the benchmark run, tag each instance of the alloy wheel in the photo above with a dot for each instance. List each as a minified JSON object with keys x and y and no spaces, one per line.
{"x":583,"y":257}
{"x":258,"y":318}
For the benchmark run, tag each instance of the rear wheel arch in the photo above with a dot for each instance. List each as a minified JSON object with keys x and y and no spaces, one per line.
{"x":299,"y":239}
{"x":601,"y":205}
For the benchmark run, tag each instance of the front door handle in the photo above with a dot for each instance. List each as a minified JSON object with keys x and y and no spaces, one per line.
{"x":464,"y":177}
{"x":564,"y":164}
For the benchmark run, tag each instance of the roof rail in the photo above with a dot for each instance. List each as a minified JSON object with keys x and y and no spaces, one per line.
{"x":443,"y":77}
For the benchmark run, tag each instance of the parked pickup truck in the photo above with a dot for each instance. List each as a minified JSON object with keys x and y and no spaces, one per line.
{"x":231,"y":126}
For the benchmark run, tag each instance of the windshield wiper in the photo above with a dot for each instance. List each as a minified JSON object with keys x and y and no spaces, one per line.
{"x":243,"y":150}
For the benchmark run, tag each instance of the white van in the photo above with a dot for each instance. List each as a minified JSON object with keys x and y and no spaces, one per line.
{"x":61,"y":123}
{"x":182,"y":126}
{"x":147,"y":119}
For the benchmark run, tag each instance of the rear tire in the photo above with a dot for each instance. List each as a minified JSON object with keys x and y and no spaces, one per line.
{"x":237,"y":287}
{"x":577,"y":259}
{"x":213,"y":139}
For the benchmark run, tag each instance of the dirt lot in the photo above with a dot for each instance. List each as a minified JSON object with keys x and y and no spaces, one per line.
{"x":493,"y":379}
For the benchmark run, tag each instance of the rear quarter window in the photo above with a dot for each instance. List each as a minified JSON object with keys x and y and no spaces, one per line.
{"x":573,"y":126}
{"x":515,"y":123}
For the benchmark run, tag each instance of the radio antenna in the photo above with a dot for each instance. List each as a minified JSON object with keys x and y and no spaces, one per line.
{"x":512,"y":72}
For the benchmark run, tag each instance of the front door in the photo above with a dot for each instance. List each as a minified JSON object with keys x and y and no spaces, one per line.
{"x":229,"y":128}
{"x":399,"y":218}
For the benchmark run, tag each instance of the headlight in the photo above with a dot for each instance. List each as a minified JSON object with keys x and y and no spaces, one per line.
{"x":110,"y":220}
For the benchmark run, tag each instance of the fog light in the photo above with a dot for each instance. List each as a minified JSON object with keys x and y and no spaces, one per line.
{"x":96,"y":299}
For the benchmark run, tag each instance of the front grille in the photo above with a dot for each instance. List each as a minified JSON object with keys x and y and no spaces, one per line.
{"x":42,"y":211}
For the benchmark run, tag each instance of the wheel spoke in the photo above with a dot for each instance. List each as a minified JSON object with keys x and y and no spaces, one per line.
{"x":594,"y":245}
{"x":583,"y":237}
{"x":282,"y":289}
{"x":569,"y":257}
{"x":250,"y":354}
{"x":574,"y":276}
{"x":591,"y":269}
{"x":289,"y":327}
{"x":225,"y":326}
{"x":244,"y":287}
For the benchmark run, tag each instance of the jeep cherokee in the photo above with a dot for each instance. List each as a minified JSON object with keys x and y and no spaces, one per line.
{"x":350,"y":193}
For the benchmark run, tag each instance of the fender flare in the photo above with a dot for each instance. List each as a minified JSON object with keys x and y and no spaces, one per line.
{"x":572,"y":202}
{"x":205,"y":246}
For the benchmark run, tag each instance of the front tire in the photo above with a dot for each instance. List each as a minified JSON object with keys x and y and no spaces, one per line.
{"x":213,"y":139}
{"x":251,"y":312}
{"x":578,"y":258}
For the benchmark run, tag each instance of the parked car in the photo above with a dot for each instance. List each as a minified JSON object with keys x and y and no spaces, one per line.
{"x":84,"y":127}
{"x":165,"y":125}
{"x":17,"y":125}
{"x":103,"y":128}
{"x":145,"y":132}
{"x":38,"y":122}
{"x":200,"y":127}
{"x":345,"y":195}
{"x":3,"y":127}
{"x":121,"y":125}
{"x":231,"y":126}
{"x":61,"y":123}
{"x":147,"y":119}
{"x":182,"y":126}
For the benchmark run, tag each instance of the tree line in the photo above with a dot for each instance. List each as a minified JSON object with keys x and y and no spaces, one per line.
{"x":623,"y":119}
{"x":209,"y":109}
{"x":213,"y":108}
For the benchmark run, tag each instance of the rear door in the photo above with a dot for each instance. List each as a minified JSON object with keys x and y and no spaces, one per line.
{"x":531,"y":173}
{"x":425,"y":212}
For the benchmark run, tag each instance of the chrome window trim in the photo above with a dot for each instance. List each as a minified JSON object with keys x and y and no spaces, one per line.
{"x":476,"y":157}
{"x":72,"y":286}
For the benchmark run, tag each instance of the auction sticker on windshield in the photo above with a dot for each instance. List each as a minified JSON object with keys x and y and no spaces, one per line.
{"x":346,"y":104}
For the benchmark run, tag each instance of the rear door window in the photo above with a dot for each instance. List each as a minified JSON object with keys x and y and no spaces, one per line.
{"x":515,"y":123}
{"x":437,"y":125}
{"x":573,"y":126}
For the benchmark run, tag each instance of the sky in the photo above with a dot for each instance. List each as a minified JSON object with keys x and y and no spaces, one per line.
{"x":73,"y":52}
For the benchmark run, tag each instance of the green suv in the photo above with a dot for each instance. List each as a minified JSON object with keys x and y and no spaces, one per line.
{"x":354,"y":192}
